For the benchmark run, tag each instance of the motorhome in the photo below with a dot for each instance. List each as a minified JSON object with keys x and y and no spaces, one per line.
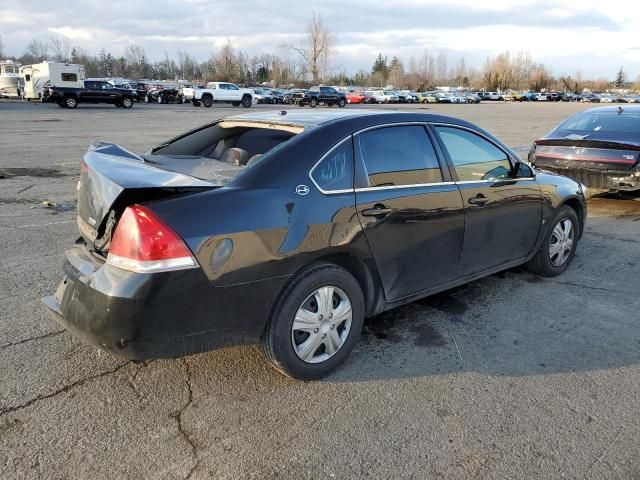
{"x":10,"y":85}
{"x":39,"y":75}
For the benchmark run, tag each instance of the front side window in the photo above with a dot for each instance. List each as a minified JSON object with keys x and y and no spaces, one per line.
{"x":231,"y":86}
{"x":335,"y":171}
{"x":473,"y":157}
{"x":400,"y":155}
{"x":69,"y":77}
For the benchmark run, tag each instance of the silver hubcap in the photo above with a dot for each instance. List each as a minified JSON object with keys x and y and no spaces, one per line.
{"x":321,"y":325}
{"x":71,"y":102}
{"x":561,"y":242}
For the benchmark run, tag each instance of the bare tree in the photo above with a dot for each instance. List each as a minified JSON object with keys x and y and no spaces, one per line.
{"x":441,"y":68}
{"x":37,"y":50}
{"x":317,"y":49}
{"x":61,"y":49}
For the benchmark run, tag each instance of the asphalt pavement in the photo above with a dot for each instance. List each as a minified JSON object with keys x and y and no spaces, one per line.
{"x":512,"y":376}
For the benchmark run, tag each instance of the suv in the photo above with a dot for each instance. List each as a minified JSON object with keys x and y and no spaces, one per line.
{"x":327,"y":95}
{"x":222,"y":92}
{"x":94,"y":91}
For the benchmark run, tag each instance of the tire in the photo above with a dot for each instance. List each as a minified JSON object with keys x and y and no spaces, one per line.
{"x":341,"y":103}
{"x":127,"y":102}
{"x":196,"y":103}
{"x":283,"y":346}
{"x":160,"y":99}
{"x":207,"y":101}
{"x":235,"y":104}
{"x":544,"y":262}
{"x":246,"y":101}
{"x":313,"y":103}
{"x":147,"y":99}
{"x":71,"y":102}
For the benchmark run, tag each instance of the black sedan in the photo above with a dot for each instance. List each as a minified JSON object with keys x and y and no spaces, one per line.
{"x":289,"y":229}
{"x":599,"y":147}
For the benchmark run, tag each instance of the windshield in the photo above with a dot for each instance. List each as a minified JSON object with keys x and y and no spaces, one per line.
{"x":604,"y":122}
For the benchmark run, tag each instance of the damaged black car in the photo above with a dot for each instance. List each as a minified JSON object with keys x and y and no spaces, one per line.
{"x":289,"y":229}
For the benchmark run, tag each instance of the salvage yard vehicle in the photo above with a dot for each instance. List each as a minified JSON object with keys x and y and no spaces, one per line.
{"x":94,"y":91}
{"x":599,"y":147}
{"x":222,"y":92}
{"x":289,"y":229}
{"x":163,"y":93}
{"x":328,"y":96}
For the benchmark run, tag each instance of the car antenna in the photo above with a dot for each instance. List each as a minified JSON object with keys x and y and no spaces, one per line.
{"x":620,"y":110}
{"x":283,"y":112}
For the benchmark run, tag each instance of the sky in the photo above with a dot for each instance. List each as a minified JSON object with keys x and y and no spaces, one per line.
{"x":594,"y":37}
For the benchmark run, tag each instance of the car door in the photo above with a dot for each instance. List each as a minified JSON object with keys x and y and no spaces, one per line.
{"x":232,"y":92}
{"x":411,"y":212}
{"x":89,"y":93}
{"x":503,"y":211}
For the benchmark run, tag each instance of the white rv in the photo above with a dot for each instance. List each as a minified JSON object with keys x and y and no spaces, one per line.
{"x":39,"y":75}
{"x":10,"y":86}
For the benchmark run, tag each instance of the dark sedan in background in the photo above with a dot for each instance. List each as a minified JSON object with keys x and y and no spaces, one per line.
{"x":599,"y":147}
{"x":289,"y":229}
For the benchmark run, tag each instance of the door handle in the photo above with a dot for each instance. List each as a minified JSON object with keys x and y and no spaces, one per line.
{"x":478,"y":200}
{"x":377,"y":211}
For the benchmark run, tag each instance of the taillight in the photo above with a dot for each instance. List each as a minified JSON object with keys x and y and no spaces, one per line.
{"x":143,"y":243}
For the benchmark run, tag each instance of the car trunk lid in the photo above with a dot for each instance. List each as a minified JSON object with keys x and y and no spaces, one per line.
{"x":577,"y":151}
{"x":112,"y":178}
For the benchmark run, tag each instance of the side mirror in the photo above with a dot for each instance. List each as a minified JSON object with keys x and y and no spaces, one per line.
{"x":522,"y":170}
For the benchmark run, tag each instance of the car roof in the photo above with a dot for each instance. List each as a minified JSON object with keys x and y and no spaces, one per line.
{"x":614,"y":109}
{"x":319,"y":118}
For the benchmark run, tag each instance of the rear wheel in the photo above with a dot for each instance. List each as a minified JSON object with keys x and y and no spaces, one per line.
{"x":147,"y":99}
{"x":127,"y":102}
{"x":246,"y":101}
{"x":313,"y":103}
{"x":341,"y":103}
{"x":71,"y":102}
{"x":196,"y":103}
{"x":160,"y":99}
{"x":315,"y":324}
{"x":559,"y":246}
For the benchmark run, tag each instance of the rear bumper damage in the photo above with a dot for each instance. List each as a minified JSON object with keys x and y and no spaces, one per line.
{"x":615,"y":180}
{"x":161,"y":315}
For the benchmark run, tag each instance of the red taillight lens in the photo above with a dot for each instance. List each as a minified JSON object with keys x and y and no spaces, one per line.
{"x":143,"y":243}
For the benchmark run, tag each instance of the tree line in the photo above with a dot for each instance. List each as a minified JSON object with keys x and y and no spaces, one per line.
{"x":310,"y":62}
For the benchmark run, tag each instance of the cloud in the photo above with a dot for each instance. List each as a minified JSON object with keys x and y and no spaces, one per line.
{"x":552,"y":30}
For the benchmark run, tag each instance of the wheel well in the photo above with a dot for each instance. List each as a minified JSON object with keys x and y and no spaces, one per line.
{"x":356,"y":267}
{"x":577,"y":206}
{"x":206,"y":95}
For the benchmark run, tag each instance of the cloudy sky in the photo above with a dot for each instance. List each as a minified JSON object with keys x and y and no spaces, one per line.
{"x":592,"y":36}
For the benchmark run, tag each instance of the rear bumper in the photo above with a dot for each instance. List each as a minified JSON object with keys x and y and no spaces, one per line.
{"x":162,"y":315}
{"x":618,"y":180}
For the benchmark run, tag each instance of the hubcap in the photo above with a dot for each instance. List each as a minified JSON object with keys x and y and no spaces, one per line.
{"x":321,"y":325}
{"x":561,"y":242}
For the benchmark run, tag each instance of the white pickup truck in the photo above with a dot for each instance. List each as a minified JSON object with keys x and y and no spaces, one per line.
{"x":221,"y":92}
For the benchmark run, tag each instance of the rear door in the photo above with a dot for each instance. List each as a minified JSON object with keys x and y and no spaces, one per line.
{"x":411,"y":212}
{"x":503,"y":214}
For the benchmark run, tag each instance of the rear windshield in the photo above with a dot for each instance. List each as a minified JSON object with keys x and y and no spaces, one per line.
{"x":603,"y":122}
{"x":222,"y":151}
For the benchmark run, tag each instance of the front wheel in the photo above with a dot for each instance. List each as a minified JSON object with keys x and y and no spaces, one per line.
{"x":195,"y":103}
{"x":246,"y":101}
{"x":559,"y":246}
{"x":207,"y":101}
{"x":127,"y":102}
{"x":315,"y":324}
{"x":341,"y":103}
{"x":313,"y":103}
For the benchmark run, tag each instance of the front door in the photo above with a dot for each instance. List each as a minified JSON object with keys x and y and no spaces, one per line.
{"x":411,"y":213}
{"x":503,"y":213}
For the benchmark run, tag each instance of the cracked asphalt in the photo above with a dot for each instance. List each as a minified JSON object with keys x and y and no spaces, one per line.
{"x":512,"y":376}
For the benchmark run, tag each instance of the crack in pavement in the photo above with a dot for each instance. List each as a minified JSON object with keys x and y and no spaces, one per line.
{"x":178,"y":416}
{"x":64,"y":389}
{"x":602,"y":289}
{"x":46,"y":335}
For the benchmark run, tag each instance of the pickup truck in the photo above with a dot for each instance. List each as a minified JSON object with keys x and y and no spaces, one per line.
{"x":94,"y":91}
{"x":221,"y":92}
{"x":315,"y":95}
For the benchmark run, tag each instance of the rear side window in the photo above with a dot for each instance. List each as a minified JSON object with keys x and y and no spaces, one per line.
{"x":399,"y":156}
{"x":335,"y":171}
{"x":603,"y":122}
{"x":69,"y":77}
{"x":473,"y":157}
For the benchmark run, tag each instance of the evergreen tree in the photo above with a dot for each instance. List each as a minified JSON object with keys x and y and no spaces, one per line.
{"x":621,"y":78}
